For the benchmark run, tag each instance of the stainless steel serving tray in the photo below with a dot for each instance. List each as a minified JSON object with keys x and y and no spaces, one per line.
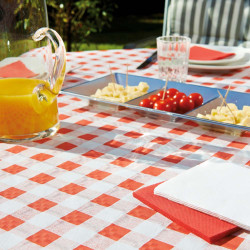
{"x":210,"y":96}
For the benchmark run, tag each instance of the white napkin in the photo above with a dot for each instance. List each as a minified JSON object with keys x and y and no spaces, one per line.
{"x":215,"y":187}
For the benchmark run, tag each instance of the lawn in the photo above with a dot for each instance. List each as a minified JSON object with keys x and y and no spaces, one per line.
{"x":125,"y":30}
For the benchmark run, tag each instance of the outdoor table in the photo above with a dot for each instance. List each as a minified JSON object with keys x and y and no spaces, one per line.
{"x":75,"y":190}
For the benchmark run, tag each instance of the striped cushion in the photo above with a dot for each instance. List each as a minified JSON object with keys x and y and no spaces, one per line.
{"x":220,"y":22}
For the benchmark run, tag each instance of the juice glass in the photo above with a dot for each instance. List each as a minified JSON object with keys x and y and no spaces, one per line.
{"x":32,"y":69}
{"x":173,"y":55}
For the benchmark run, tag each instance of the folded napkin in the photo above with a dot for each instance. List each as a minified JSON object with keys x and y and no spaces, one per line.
{"x":203,"y":225}
{"x":16,"y":69}
{"x":215,"y":187}
{"x":205,"y":54}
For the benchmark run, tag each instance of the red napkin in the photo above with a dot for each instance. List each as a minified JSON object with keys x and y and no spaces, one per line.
{"x":204,"y":54}
{"x":203,"y":225}
{"x":16,"y":69}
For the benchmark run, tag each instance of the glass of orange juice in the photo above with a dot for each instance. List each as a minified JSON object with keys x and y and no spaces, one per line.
{"x":32,"y":69}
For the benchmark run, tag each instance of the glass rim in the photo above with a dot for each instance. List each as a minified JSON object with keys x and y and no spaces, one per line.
{"x":173,"y":38}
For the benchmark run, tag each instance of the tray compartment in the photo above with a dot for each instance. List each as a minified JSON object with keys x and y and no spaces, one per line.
{"x":236,"y":98}
{"x":89,"y":88}
{"x":208,"y":95}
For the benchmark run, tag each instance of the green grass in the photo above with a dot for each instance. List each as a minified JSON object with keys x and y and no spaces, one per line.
{"x":125,"y":30}
{"x":96,"y":46}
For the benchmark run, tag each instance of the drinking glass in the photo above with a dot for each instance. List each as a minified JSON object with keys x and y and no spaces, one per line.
{"x":173,"y":55}
{"x":32,"y":69}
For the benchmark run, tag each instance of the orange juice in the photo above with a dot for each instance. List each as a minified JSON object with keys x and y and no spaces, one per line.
{"x":23,"y":110}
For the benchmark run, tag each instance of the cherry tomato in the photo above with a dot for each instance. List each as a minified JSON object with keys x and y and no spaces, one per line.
{"x":185,"y":104}
{"x":178,"y":96}
{"x":171,"y":92}
{"x":146,"y":103}
{"x":167,"y":105}
{"x":154,"y":98}
{"x":197,"y":99}
{"x":160,"y":105}
{"x":161,"y":94}
{"x":173,"y":104}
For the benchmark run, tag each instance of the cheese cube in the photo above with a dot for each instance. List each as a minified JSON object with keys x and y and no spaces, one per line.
{"x":245,"y":122}
{"x":232,"y":106}
{"x":143,"y":86}
{"x":246,"y":109}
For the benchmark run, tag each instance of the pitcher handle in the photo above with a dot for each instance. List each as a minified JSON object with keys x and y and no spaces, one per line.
{"x":58,"y":72}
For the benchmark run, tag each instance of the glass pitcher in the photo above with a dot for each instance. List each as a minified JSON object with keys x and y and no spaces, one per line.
{"x":32,"y":69}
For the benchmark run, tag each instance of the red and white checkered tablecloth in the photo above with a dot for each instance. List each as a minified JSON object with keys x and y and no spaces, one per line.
{"x":74,"y":190}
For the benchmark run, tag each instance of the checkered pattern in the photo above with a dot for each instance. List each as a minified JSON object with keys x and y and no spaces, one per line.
{"x":74,"y":190}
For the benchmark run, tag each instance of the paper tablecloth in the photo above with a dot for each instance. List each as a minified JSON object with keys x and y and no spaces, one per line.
{"x":74,"y":190}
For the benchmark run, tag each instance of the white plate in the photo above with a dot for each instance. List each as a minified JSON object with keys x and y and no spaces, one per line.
{"x":241,"y":63}
{"x":239,"y":54}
